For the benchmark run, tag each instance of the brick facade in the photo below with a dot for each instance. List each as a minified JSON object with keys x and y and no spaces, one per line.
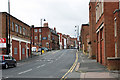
{"x":105,"y":30}
{"x":92,"y":30}
{"x":83,"y":36}
{"x":19,"y":36}
{"x":46,"y":37}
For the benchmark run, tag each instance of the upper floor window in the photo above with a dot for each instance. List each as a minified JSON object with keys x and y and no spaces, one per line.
{"x":20,"y":29}
{"x":35,"y":30}
{"x":16,"y":27}
{"x":99,"y":10}
{"x":24,"y":30}
{"x":40,"y":37}
{"x":39,"y":30}
{"x":12,"y":26}
{"x":35,"y":37}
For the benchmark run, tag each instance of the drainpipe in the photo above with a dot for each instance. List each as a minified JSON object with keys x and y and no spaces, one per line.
{"x":119,"y":4}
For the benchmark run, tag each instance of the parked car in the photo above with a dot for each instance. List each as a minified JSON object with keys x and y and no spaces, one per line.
{"x":45,"y":49}
{"x":33,"y":49}
{"x":35,"y":53}
{"x":6,"y":61}
{"x":39,"y":50}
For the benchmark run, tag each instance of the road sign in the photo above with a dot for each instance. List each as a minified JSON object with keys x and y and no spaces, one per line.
{"x":2,"y":42}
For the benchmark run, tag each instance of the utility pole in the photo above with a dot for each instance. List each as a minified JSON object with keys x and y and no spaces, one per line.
{"x":9,"y":27}
{"x":77,"y":32}
{"x":41,"y":35}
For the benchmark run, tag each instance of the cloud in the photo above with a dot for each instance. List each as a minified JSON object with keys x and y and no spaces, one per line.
{"x":62,"y":14}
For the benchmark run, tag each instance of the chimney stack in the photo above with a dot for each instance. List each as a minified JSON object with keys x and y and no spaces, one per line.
{"x":54,"y":29}
{"x":45,"y":24}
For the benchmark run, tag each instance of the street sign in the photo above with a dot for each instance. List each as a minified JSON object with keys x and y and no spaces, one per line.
{"x":2,"y":42}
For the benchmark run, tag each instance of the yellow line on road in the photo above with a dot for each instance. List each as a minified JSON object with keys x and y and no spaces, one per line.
{"x":72,"y":68}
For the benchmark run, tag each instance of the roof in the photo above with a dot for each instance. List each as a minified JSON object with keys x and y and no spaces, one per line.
{"x":15,"y":18}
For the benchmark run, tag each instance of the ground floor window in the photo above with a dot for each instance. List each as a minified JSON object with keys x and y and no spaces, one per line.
{"x":23,"y":50}
{"x":15,"y":50}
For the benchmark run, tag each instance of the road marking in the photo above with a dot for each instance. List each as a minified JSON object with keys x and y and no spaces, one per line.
{"x":38,"y":66}
{"x":77,"y":67}
{"x":71,"y":69}
{"x":25,"y":71}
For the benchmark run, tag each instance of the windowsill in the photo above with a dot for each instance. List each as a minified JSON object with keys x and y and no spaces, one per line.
{"x":113,"y":58}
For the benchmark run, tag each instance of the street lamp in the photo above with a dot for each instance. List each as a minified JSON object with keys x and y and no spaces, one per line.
{"x":77,"y":32}
{"x":41,"y":34}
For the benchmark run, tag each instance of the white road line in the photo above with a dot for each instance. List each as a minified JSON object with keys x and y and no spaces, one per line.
{"x":42,"y":65}
{"x":25,"y":71}
{"x":38,"y":66}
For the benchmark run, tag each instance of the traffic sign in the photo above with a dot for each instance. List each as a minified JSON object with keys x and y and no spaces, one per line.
{"x":2,"y":42}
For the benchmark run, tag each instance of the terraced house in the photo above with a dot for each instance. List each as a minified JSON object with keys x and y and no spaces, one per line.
{"x":19,"y":46}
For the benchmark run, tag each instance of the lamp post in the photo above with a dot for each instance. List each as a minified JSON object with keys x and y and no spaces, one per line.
{"x":8,"y":45}
{"x":77,"y":32}
{"x":41,"y":34}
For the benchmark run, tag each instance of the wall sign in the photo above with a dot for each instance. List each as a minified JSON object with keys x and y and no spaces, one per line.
{"x":2,"y":42}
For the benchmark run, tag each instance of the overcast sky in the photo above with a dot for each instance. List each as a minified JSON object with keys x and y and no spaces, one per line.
{"x":62,"y":14}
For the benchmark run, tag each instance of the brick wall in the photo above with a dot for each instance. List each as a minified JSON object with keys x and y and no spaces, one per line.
{"x":92,"y":30}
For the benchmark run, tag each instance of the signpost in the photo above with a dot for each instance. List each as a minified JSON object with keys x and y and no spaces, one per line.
{"x":2,"y":42}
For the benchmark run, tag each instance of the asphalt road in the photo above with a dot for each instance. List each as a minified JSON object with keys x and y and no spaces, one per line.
{"x":53,"y":64}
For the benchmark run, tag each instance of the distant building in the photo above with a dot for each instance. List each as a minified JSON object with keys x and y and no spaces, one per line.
{"x":60,"y":40}
{"x":19,"y":36}
{"x":45,"y":37}
{"x":84,"y":37}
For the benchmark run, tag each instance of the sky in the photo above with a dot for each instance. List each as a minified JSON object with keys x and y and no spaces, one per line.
{"x":62,"y":14}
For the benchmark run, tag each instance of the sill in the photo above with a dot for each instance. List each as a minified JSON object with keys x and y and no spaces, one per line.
{"x":113,"y":58}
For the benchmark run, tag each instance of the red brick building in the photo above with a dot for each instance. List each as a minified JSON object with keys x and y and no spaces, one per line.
{"x":19,"y":36}
{"x":83,"y":37}
{"x":45,"y":37}
{"x":114,"y":62}
{"x":105,"y":30}
{"x":92,"y":30}
{"x":60,"y":40}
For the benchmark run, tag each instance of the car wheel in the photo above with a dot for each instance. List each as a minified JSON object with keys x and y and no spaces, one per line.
{"x":15,"y":65}
{"x":6,"y":66}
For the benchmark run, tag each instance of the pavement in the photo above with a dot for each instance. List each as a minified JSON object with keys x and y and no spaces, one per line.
{"x":88,"y":69}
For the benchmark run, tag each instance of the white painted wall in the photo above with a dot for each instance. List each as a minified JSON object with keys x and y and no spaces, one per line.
{"x":65,"y":44}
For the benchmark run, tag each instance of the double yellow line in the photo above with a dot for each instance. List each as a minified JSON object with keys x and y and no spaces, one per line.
{"x":71,"y":69}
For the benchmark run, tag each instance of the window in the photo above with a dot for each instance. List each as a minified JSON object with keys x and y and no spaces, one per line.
{"x":47,"y":43}
{"x":24,"y":30}
{"x":115,"y":28}
{"x":12,"y":26}
{"x":115,"y":49}
{"x":35,"y":37}
{"x":40,"y":36}
{"x":49,"y":37}
{"x":20,"y":29}
{"x":16,"y":27}
{"x":23,"y":50}
{"x":39,"y":30}
{"x":15,"y":50}
{"x":35,"y":30}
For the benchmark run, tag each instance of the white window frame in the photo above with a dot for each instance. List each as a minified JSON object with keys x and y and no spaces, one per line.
{"x":13,"y":26}
{"x":16,"y":27}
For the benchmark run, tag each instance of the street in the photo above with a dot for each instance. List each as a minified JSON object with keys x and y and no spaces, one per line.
{"x":53,"y":64}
